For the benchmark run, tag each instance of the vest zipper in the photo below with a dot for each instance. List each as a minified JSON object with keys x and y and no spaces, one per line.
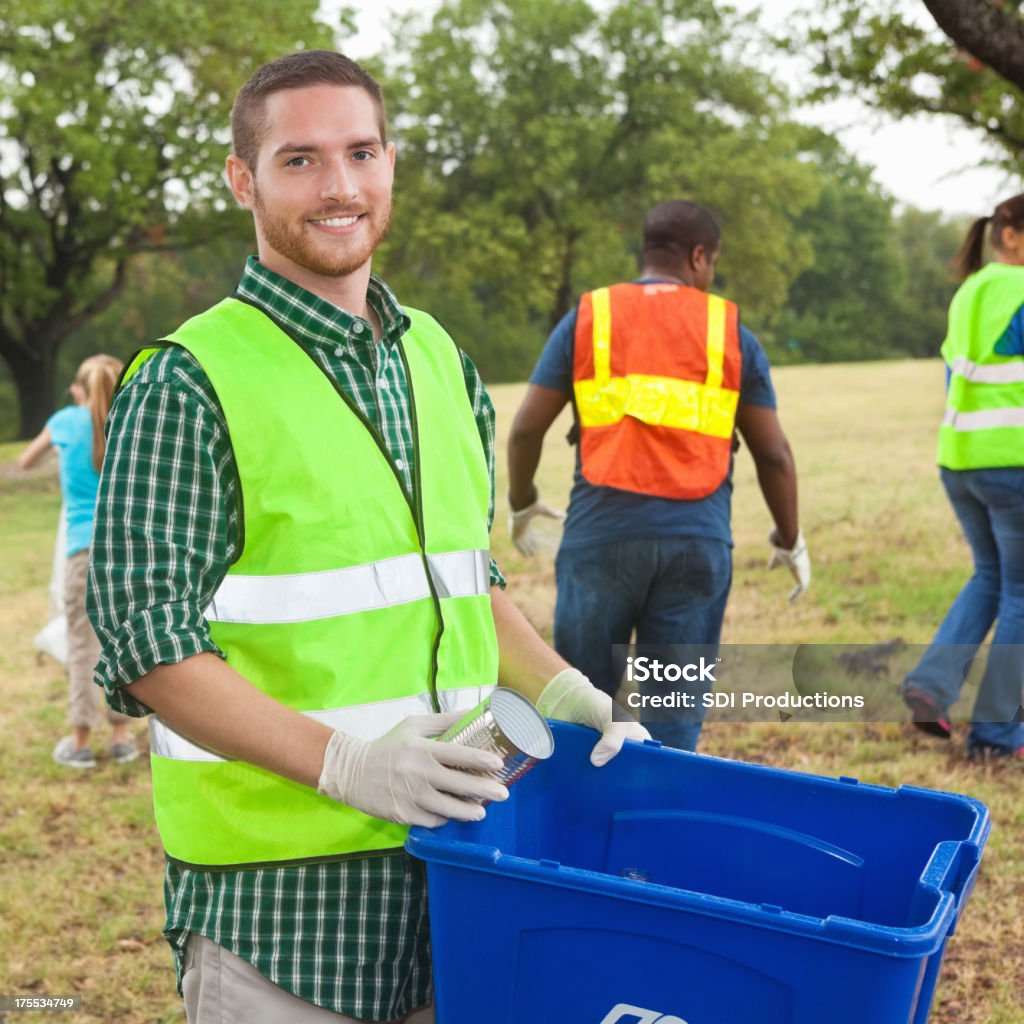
{"x":421,"y":529}
{"x":415,"y":503}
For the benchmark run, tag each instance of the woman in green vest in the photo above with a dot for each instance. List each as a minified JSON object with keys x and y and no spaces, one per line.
{"x":981,"y":462}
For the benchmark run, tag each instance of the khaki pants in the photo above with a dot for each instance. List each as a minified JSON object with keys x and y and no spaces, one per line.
{"x":221,"y":988}
{"x":85,"y":698}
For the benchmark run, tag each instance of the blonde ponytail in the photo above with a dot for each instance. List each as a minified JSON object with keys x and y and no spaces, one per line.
{"x":98,"y":376}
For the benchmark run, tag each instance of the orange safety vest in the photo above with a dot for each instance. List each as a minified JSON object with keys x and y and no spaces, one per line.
{"x":656,"y":374}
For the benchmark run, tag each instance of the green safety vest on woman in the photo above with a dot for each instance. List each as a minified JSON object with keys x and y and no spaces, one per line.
{"x":983,"y":425}
{"x":349,"y":602}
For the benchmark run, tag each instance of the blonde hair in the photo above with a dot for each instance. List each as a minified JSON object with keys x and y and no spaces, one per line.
{"x":98,"y":376}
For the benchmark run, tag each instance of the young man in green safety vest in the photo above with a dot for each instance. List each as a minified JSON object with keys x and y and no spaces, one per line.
{"x":291,"y":578}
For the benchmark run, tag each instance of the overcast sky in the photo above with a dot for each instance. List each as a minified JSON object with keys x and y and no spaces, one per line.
{"x":928,"y":162}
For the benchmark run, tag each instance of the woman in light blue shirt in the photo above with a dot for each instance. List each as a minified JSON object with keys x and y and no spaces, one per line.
{"x":77,"y":433}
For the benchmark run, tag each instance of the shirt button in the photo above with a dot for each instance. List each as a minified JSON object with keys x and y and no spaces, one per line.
{"x":339,"y":351}
{"x":357,"y":328}
{"x":399,"y":464}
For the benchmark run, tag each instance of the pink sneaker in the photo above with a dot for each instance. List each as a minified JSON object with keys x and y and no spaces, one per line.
{"x":927,"y":715}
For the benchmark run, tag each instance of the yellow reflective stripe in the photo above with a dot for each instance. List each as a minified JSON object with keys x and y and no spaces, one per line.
{"x":659,"y":401}
{"x":601,"y":303}
{"x":716,"y":340}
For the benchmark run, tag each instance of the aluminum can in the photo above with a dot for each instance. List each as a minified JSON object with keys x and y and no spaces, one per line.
{"x":507,"y":724}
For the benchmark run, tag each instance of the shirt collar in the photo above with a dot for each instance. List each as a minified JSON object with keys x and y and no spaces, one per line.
{"x":313,"y":319}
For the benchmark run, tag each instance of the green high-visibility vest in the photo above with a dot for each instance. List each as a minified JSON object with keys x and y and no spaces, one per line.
{"x":983,"y":424}
{"x":349,"y":602}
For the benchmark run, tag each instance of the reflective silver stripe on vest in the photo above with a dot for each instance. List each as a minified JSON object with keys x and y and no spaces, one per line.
{"x":988,"y":373}
{"x":461,"y":573}
{"x":303,"y":597}
{"x":367,"y":721}
{"x":984,"y":419}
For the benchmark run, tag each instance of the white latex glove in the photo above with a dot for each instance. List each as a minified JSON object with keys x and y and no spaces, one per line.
{"x":572,"y":697}
{"x":407,"y":777}
{"x":796,"y":560}
{"x":525,"y":539}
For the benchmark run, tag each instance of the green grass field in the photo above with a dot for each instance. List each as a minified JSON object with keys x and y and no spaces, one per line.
{"x":81,"y":904}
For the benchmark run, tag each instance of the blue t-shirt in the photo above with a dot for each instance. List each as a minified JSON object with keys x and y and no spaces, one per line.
{"x":1012,"y":341}
{"x":71,"y":431}
{"x":602,"y":514}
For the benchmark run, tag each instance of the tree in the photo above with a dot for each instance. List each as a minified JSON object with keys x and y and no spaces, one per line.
{"x":890,"y":55}
{"x":848,"y":303}
{"x":112,"y":139}
{"x":163,"y":290}
{"x":927,"y":242}
{"x":533,"y":136}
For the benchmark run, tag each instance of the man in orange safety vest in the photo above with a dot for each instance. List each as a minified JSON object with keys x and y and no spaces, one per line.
{"x":662,"y":375}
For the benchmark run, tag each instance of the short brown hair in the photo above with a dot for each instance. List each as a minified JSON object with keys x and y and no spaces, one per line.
{"x":294,"y":71}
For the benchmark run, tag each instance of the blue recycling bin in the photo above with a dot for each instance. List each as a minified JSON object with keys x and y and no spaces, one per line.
{"x":674,"y":888}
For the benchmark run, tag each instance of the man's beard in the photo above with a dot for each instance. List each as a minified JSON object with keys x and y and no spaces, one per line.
{"x":294,"y":241}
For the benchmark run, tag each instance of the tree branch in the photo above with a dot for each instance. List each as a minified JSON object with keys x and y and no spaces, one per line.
{"x":99,"y":302}
{"x":987,"y":31}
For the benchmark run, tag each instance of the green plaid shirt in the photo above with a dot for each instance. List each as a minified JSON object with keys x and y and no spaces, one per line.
{"x":352,"y":935}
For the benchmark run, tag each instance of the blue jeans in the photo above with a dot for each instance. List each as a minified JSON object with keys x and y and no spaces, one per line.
{"x":670,"y":590}
{"x":990,"y":506}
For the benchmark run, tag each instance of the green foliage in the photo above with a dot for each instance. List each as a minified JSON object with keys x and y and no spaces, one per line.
{"x":533,"y":137}
{"x":8,"y":407}
{"x":846,"y":304}
{"x":928,"y":243}
{"x":878,"y":285}
{"x":113,"y":123}
{"x":164,"y":290}
{"x":890,"y":54}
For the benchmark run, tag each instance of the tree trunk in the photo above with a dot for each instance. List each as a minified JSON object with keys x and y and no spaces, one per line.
{"x":34,"y":368}
{"x":988,"y":31}
{"x":35,"y":380}
{"x":564,"y":295}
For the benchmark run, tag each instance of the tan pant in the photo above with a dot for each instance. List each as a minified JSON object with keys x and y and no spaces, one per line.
{"x":221,"y":988}
{"x":85,"y":697}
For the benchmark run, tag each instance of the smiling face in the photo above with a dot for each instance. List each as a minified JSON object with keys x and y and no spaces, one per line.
{"x":320,"y":192}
